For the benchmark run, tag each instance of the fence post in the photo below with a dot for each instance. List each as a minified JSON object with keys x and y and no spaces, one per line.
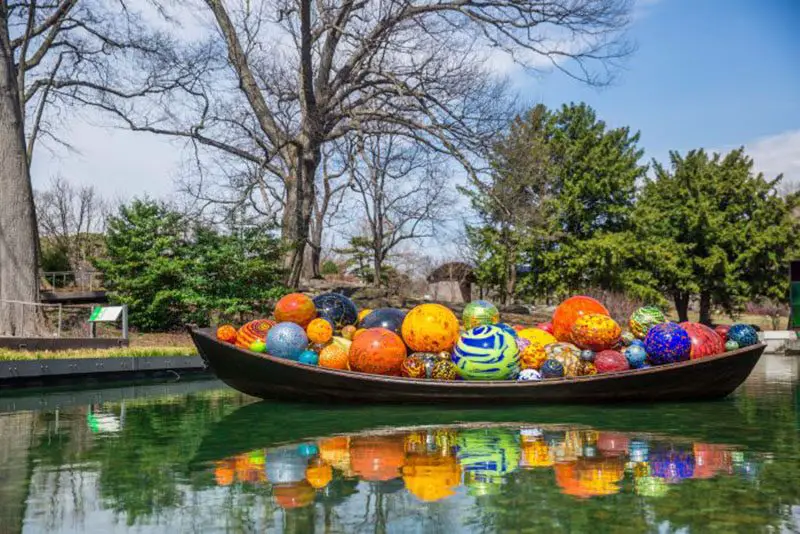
{"x":125,"y":321}
{"x":93,"y":327}
{"x":60,"y":316}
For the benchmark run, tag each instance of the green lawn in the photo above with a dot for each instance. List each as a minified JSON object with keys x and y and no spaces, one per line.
{"x":122,"y":352}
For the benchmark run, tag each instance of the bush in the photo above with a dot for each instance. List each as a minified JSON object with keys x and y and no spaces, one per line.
{"x":329,"y":268}
{"x":171,"y":272}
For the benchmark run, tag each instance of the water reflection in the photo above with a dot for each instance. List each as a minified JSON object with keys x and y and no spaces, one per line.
{"x":214,"y":460}
{"x":436,"y":463}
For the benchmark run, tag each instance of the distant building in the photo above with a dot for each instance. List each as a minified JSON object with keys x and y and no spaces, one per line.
{"x":451,"y":282}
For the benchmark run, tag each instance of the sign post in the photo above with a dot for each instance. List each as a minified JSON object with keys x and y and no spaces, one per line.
{"x":109,"y":314}
{"x":794,"y":295}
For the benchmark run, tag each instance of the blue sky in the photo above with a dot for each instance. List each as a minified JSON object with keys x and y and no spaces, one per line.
{"x":707,"y":73}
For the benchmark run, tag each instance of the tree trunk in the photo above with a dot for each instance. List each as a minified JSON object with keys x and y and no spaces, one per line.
{"x":18,"y":232}
{"x":297,"y":212}
{"x":705,"y":308}
{"x":377,"y":265}
{"x":682,"y":305}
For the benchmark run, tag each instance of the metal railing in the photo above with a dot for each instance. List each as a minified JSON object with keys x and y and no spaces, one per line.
{"x":71,"y":281}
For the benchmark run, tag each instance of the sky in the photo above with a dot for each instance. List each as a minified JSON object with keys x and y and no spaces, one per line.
{"x":714,"y":74}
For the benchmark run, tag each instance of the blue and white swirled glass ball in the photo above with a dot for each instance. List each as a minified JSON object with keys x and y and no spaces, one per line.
{"x":486,"y":353}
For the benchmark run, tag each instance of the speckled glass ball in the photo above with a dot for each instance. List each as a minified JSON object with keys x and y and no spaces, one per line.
{"x":636,"y":356}
{"x":286,"y":340}
{"x":552,"y":369}
{"x":645,"y":318}
{"x":639,"y":342}
{"x":568,"y":354}
{"x":522,"y":343}
{"x":595,"y":331}
{"x":667,"y":343}
{"x":610,"y":361}
{"x":533,"y":356}
{"x":743,"y":334}
{"x":413,"y":366}
{"x":444,"y":370}
{"x":588,"y":355}
{"x":529,"y":375}
{"x":731,"y":345}
{"x":586,"y":368}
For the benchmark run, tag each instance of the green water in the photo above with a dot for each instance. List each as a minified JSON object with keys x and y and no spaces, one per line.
{"x":198,"y":457}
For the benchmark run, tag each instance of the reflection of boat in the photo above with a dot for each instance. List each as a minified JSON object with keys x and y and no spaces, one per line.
{"x":265,"y":376}
{"x":432,"y":463}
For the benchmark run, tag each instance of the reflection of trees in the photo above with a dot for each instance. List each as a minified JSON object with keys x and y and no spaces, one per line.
{"x":508,"y":480}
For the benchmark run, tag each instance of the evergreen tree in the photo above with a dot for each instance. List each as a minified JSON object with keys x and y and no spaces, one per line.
{"x":713,"y":228}
{"x":558,"y":202}
{"x":170,"y":272}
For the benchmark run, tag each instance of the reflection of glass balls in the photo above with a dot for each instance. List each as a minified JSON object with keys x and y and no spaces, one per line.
{"x":285,"y":466}
{"x":743,"y":334}
{"x":286,"y":340}
{"x":479,"y":313}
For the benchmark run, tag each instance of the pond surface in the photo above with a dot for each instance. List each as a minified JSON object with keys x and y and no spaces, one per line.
{"x":198,"y":457}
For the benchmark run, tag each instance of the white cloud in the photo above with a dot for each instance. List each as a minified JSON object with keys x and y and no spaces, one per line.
{"x":119,"y":163}
{"x":777,"y":154}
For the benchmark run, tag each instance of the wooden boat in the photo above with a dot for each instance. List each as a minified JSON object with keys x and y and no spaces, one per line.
{"x":269,"y":377}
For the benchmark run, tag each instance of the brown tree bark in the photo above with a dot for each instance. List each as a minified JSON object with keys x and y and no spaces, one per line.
{"x":18,"y":233}
{"x":682,"y":305}
{"x":705,"y":307}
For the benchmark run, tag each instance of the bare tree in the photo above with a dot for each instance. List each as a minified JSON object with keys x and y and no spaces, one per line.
{"x":70,"y":219}
{"x":18,"y":239}
{"x":300,"y":74}
{"x":403,"y":192}
{"x":53,"y":53}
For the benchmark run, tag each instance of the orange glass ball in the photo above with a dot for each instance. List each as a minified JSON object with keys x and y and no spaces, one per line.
{"x":295,"y":308}
{"x":431,"y":478}
{"x":595,"y":331}
{"x":225,"y":472}
{"x":295,"y":495}
{"x":378,"y":351}
{"x":377,"y":458}
{"x":319,"y":474}
{"x":333,"y":356}
{"x":570,"y":311}
{"x":430,"y":328}
{"x":319,"y":331}
{"x":252,"y":331}
{"x":226,"y":333}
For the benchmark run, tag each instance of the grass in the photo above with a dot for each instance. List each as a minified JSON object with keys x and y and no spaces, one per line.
{"x":122,"y":352}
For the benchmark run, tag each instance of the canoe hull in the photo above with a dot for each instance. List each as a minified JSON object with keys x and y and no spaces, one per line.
{"x":269,"y":377}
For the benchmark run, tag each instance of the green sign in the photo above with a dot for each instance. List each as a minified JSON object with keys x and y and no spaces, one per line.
{"x":795,"y":304}
{"x":105,"y":314}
